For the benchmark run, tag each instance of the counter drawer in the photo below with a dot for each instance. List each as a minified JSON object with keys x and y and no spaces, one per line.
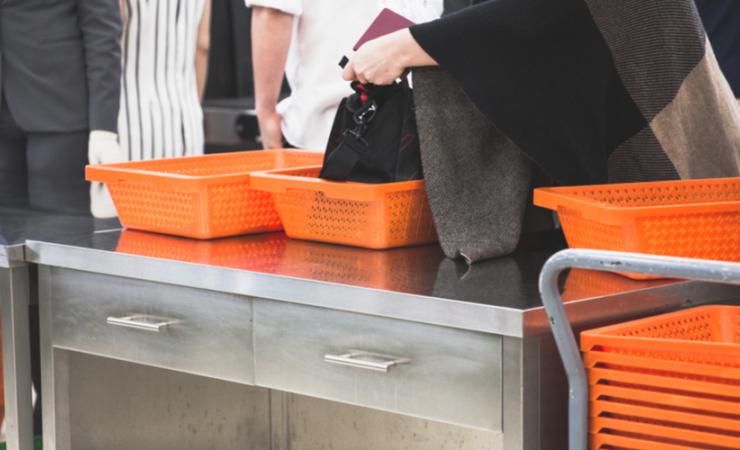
{"x":427,"y":371}
{"x":184,"y":329}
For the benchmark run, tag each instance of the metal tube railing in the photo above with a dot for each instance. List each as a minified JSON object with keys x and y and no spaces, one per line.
{"x":684,"y":268}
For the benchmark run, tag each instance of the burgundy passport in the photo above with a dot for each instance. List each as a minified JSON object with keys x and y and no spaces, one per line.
{"x":386,"y":23}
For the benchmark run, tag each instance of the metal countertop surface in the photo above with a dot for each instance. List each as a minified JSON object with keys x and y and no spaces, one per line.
{"x":17,"y":225}
{"x":419,"y":284}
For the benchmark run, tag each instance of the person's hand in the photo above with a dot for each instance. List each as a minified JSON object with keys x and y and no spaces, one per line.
{"x":383,"y":60}
{"x":103,"y":148}
{"x":380,"y":61}
{"x":271,"y":134}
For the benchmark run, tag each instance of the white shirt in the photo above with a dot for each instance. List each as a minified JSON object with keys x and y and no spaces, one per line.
{"x":324,"y":31}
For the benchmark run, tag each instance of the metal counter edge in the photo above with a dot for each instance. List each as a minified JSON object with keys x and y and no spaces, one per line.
{"x":12,"y":256}
{"x":396,"y":305}
{"x":485,"y":318}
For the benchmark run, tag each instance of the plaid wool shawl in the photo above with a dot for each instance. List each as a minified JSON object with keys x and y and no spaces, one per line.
{"x":590,"y":91}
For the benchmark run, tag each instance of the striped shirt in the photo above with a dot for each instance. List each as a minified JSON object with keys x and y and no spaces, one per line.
{"x":160,"y":112}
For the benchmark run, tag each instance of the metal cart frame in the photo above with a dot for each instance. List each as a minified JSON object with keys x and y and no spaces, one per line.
{"x":683,"y":268}
{"x":15,"y":300}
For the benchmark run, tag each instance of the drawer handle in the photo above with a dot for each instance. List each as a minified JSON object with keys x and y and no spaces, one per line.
{"x":142,"y":322}
{"x":366,"y":360}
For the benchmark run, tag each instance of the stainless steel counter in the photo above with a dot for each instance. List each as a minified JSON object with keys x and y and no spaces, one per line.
{"x":17,"y":225}
{"x":416,"y":284}
{"x":404,"y":331}
{"x":17,"y":284}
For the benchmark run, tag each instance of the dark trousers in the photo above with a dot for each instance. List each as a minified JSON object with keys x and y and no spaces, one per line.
{"x":43,"y":171}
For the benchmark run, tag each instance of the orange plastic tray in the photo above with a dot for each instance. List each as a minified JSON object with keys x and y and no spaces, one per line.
{"x":672,"y":377}
{"x":669,"y":415}
{"x":201,"y":196}
{"x":652,"y":382}
{"x":697,"y":436}
{"x":604,"y":441}
{"x":690,"y":218}
{"x":667,"y":368}
{"x":704,"y":335}
{"x":690,"y":395}
{"x":667,"y":400}
{"x":376,"y":216}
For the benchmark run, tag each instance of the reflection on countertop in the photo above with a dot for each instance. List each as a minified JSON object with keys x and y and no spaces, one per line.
{"x":511,"y":281}
{"x":424,"y":271}
{"x":275,"y":253}
{"x":580,"y":284}
{"x":20,"y":224}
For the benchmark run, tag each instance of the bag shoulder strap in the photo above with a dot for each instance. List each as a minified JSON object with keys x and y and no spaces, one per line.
{"x":341,"y":162}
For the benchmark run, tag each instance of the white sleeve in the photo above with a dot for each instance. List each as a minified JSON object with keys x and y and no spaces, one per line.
{"x":293,"y":7}
{"x":418,"y":11}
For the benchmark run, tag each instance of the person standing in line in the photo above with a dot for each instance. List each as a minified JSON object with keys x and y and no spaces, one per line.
{"x":165,"y":48}
{"x":304,"y":42}
{"x":60,"y":76}
{"x":165,"y":60}
{"x":583,"y":91}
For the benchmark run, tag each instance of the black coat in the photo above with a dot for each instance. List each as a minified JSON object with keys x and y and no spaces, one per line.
{"x":722,"y":21}
{"x":590,"y":91}
{"x":60,"y":63}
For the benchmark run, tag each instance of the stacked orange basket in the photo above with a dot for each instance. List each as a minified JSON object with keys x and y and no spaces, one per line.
{"x":666,"y":382}
{"x":688,"y":218}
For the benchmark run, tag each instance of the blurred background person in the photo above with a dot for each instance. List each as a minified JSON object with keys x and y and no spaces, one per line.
{"x":304,"y":41}
{"x":60,"y":74}
{"x":60,"y":78}
{"x":165,"y":58}
{"x":165,"y":61}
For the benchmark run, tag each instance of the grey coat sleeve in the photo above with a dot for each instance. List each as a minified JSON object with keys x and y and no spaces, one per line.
{"x":100,"y":22}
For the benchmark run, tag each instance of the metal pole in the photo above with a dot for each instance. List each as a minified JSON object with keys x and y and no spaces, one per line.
{"x":689,"y":269}
{"x":15,"y":300}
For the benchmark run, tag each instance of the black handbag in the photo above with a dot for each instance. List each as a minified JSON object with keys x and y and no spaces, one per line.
{"x":374,"y":137}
